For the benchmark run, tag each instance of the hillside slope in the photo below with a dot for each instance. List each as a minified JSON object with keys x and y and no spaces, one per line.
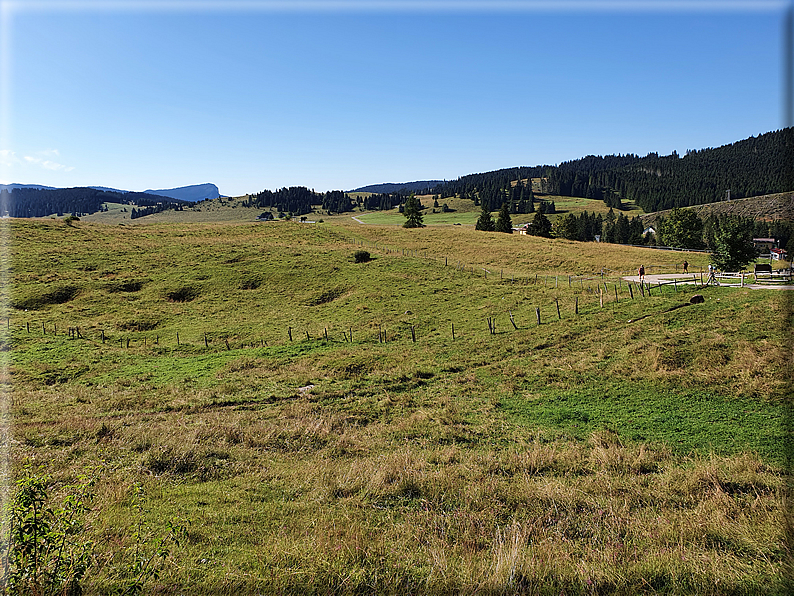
{"x":779,"y":206}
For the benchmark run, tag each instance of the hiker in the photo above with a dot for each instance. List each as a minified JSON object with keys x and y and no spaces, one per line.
{"x":686,"y":267}
{"x":641,"y":273}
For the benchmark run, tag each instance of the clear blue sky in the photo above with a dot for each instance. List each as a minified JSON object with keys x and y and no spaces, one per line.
{"x":151,"y":95}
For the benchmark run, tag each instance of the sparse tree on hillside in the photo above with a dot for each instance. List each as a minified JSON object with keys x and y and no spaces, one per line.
{"x":681,"y":229}
{"x":567,"y":227}
{"x":733,"y":243}
{"x":503,"y":222}
{"x":485,"y":221}
{"x":540,"y":226}
{"x":413,"y":213}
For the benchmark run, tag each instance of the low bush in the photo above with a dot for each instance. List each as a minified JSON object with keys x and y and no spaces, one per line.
{"x":361,"y":256}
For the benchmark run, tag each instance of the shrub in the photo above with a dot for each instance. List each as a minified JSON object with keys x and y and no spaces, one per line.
{"x":44,"y":553}
{"x":361,"y":256}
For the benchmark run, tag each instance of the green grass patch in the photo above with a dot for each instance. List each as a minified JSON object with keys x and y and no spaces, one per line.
{"x":690,"y":422}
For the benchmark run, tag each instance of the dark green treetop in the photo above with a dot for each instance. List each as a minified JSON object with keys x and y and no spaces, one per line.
{"x":503,"y":222}
{"x":413,"y":213}
{"x":485,"y":221}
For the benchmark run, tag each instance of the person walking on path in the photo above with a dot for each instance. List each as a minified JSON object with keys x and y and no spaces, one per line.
{"x":641,"y":273}
{"x":686,"y":267}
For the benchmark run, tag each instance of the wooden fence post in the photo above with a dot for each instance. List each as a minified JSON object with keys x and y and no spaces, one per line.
{"x":177,"y":338}
{"x":289,"y":332}
{"x":631,"y":292}
{"x":413,"y":334}
{"x":537,"y":314}
{"x":616,"y":293}
{"x":206,"y":344}
{"x":512,"y":321}
{"x":28,"y":326}
{"x":576,"y":306}
{"x":453,"y":331}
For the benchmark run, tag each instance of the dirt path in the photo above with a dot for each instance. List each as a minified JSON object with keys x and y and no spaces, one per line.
{"x":691,"y":278}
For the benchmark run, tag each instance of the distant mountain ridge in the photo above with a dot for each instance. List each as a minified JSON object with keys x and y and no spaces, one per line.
{"x":38,"y":202}
{"x":192,"y":193}
{"x":10,"y":187}
{"x":419,"y":185}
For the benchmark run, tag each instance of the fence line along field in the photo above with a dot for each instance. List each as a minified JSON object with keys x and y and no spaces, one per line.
{"x":257,"y":410}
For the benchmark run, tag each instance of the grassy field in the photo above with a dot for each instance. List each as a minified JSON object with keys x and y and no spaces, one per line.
{"x":466,"y":213}
{"x":234,"y":377}
{"x":231,"y":209}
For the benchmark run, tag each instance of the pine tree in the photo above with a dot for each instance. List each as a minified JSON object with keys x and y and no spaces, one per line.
{"x":485,"y":221}
{"x":413,"y":213}
{"x":540,"y":226}
{"x":503,"y":222}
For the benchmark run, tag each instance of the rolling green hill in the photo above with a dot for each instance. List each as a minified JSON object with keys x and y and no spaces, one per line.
{"x":319,"y":426}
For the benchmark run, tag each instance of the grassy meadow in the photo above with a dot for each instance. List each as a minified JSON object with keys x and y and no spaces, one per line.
{"x":317,"y":427}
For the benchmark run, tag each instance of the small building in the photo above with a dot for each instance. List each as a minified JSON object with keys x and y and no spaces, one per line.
{"x":778,"y":254}
{"x":764,"y":244}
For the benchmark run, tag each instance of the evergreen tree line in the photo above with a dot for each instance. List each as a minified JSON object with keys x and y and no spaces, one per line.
{"x":298,"y":200}
{"x":34,"y":202}
{"x":383,"y":201}
{"x":152,"y":209}
{"x":683,"y":228}
{"x":750,"y":167}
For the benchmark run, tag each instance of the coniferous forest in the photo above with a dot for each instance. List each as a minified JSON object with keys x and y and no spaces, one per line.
{"x":34,"y":202}
{"x":750,"y":167}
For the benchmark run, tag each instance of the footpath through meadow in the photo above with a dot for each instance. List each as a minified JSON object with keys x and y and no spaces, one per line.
{"x":694,"y":278}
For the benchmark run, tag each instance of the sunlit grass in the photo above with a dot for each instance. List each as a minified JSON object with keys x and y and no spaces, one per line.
{"x":631,"y":447}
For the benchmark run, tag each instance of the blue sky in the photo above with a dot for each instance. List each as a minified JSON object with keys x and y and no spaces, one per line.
{"x":139,"y":95}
